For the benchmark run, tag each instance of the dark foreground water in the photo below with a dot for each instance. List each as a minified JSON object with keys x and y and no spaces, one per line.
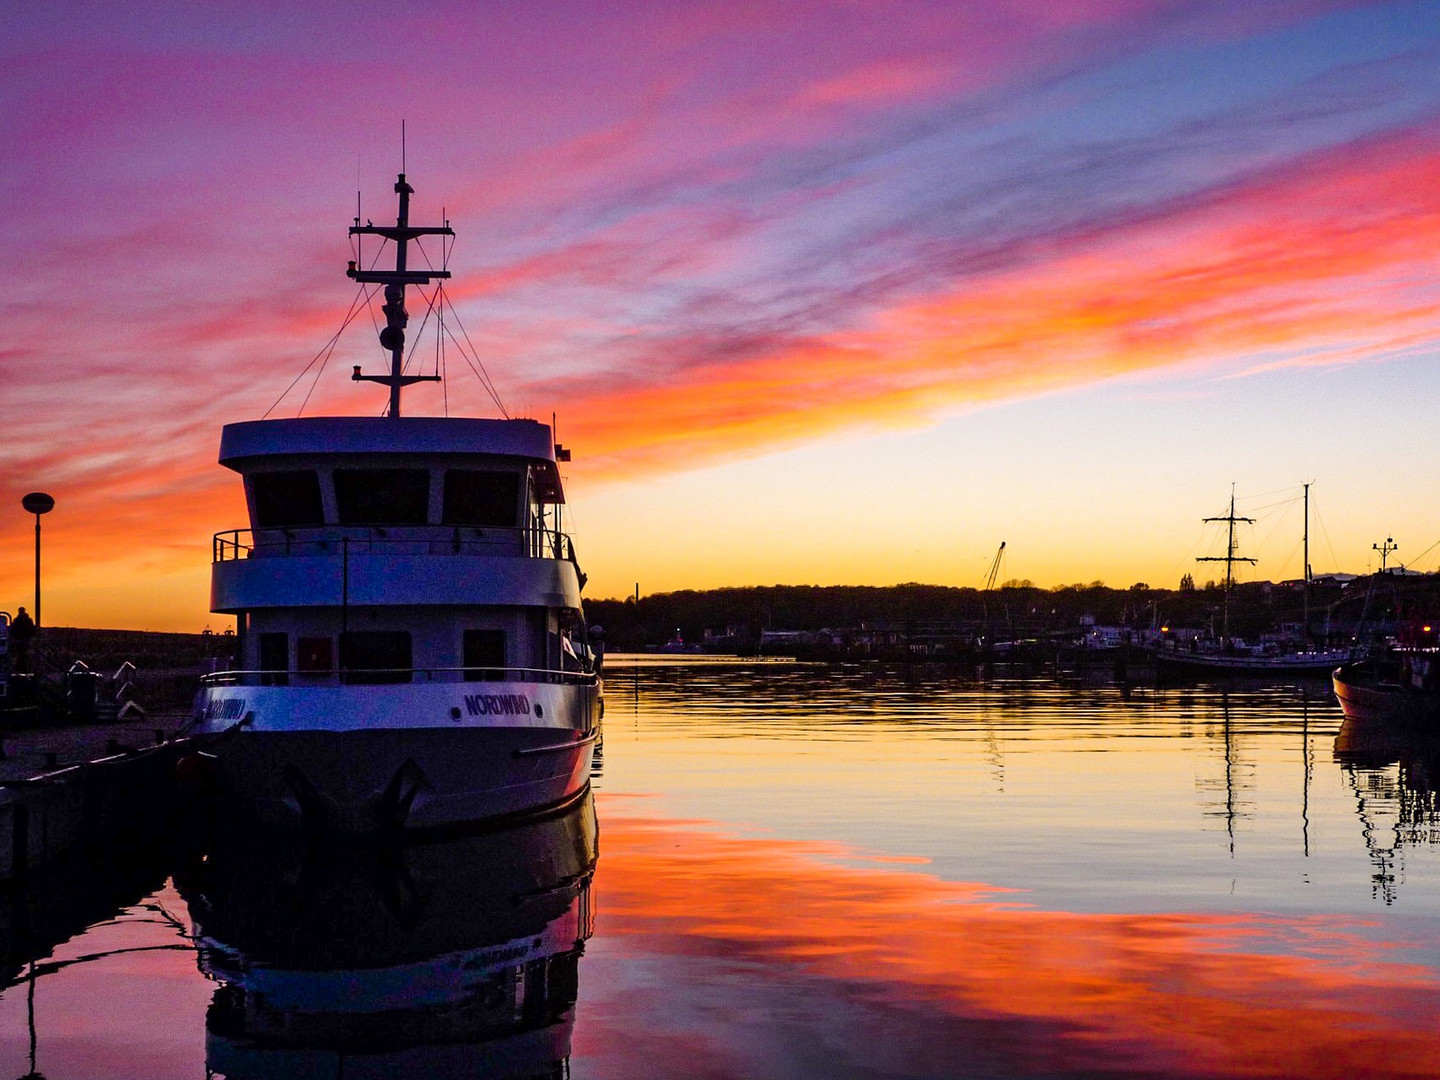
{"x":793,"y":871}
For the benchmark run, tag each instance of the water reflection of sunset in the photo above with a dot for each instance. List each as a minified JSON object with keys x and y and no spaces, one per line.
{"x":921,"y":974}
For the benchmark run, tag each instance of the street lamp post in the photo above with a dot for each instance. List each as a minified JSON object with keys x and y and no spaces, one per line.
{"x":1385,"y":549}
{"x":37,"y":503}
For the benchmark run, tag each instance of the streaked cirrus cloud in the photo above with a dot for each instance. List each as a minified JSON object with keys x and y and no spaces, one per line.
{"x":701,"y":233}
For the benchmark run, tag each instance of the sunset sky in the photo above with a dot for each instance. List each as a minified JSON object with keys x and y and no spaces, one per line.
{"x":821,"y":293}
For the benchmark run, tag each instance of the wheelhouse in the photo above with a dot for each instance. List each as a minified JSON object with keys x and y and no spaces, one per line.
{"x":398,"y":550}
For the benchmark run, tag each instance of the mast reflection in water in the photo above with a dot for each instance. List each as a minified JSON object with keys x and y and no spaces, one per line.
{"x":1394,"y":772}
{"x":457,"y":958}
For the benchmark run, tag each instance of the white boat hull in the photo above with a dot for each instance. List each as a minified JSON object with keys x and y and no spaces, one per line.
{"x":413,"y":757}
{"x":411,"y":648}
{"x":1319,"y":663}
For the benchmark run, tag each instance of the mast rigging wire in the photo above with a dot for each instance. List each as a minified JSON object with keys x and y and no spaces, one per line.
{"x":415,"y":345}
{"x":1334,"y":559}
{"x":472,"y":359}
{"x":325,"y":350}
{"x":437,"y":302}
{"x":440,"y":358}
{"x":328,"y":348}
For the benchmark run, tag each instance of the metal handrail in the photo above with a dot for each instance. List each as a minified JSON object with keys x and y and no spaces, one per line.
{"x":233,"y":544}
{"x":334,"y":676}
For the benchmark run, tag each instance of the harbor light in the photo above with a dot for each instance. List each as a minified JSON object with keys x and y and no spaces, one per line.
{"x":37,"y":503}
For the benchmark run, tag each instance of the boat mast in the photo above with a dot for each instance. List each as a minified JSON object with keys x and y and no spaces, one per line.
{"x":1229,"y":559}
{"x":392,"y":338}
{"x":1306,"y":575}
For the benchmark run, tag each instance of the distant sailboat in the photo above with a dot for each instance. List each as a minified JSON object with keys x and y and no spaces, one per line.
{"x":1231,"y":658}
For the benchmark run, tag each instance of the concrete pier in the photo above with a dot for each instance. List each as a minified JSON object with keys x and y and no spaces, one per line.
{"x":65,"y":792}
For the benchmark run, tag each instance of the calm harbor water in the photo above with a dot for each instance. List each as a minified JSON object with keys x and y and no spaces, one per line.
{"x":795,"y":871}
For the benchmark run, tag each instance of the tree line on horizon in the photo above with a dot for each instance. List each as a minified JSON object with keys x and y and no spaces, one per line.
{"x":740,"y":614}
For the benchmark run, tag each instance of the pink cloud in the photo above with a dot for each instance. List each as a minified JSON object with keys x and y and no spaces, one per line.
{"x":1319,"y":254}
{"x":632,"y":187}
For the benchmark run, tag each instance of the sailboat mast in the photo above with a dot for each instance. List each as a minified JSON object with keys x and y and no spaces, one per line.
{"x":1307,"y":564}
{"x":1229,"y":559}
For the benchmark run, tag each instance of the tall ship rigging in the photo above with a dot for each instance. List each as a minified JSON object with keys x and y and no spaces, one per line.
{"x":1229,"y":656}
{"x":412,"y":647}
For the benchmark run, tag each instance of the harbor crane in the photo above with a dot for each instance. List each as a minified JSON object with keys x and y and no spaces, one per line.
{"x":995,"y":568}
{"x":990,"y":587}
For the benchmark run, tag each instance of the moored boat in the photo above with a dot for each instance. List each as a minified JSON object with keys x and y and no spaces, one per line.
{"x":1230,"y":656}
{"x":1319,"y":662}
{"x":1400,"y":687}
{"x":413,"y":652}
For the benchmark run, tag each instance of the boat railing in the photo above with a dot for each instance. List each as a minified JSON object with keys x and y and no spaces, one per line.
{"x":234,"y":544}
{"x":379,"y":676}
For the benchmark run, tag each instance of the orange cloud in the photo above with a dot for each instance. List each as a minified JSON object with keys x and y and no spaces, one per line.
{"x":1184,"y":993}
{"x":1329,"y":256}
{"x":1328,"y":263}
{"x":745,"y":226}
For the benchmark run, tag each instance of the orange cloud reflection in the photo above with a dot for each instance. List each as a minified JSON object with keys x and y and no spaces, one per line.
{"x":1180,"y":994}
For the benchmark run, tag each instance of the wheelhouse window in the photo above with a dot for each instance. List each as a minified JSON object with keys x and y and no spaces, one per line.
{"x":314,"y":655}
{"x":484,"y":652}
{"x":285,"y":500}
{"x":382,"y":496}
{"x":481,"y":497}
{"x":375,"y":656}
{"x":274,"y":659}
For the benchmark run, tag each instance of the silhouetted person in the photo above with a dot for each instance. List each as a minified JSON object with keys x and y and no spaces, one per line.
{"x":22,"y":629}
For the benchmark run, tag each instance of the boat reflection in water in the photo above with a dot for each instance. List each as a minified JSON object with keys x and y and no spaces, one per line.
{"x":443,"y":959}
{"x":1394,"y":771}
